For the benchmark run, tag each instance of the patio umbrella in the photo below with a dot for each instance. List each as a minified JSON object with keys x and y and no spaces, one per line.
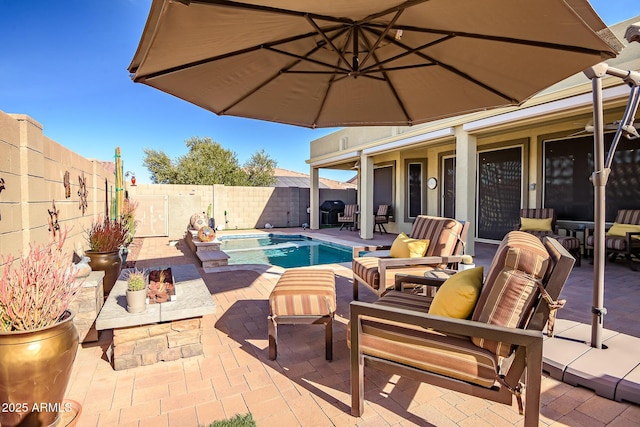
{"x":365,"y":62}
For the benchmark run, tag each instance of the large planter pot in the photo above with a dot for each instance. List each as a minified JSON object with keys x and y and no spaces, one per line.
{"x":110,"y":263}
{"x":35,"y":370}
{"x":136,"y":301}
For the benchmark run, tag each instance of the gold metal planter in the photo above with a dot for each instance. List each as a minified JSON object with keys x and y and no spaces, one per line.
{"x":35,"y":367}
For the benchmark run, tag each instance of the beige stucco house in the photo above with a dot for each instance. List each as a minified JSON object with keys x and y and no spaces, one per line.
{"x":483,"y":167}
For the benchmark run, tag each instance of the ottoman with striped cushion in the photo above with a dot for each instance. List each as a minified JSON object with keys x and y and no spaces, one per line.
{"x":303,"y":296}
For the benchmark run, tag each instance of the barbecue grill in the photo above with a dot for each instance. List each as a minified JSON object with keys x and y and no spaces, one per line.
{"x":329,"y":210}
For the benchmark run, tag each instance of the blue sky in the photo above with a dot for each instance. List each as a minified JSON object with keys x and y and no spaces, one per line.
{"x":65,"y":65}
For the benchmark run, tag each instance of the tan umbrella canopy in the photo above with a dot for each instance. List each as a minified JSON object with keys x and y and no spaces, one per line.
{"x":365,"y":62}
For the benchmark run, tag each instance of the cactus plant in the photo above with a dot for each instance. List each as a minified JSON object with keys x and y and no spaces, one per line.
{"x":136,"y":280}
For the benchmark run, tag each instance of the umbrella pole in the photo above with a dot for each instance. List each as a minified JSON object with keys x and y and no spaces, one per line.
{"x":599,"y":179}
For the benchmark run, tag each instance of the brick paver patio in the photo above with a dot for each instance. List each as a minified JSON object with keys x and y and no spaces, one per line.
{"x":301,"y":388}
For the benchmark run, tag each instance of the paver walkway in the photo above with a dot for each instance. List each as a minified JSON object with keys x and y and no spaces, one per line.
{"x":300,"y":388}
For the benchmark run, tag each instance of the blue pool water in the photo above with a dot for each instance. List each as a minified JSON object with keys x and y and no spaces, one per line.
{"x":282,"y":250}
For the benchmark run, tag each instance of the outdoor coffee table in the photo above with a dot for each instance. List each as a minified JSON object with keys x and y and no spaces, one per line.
{"x":166,"y":331}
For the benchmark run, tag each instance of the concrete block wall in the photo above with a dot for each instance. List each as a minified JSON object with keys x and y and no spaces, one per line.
{"x":246,"y":207}
{"x":33,"y":166}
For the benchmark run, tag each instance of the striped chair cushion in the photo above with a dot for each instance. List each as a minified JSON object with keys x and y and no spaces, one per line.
{"x":613,"y":243}
{"x":510,"y":287}
{"x":443,"y":234}
{"x":410,"y":345}
{"x":628,"y":216}
{"x":304,"y":292}
{"x":567,"y":242}
{"x":366,"y":267}
{"x":382,"y":213}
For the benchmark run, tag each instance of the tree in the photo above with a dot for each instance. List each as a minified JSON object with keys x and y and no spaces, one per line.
{"x":207,"y":163}
{"x":160,"y":166}
{"x":260,"y":170}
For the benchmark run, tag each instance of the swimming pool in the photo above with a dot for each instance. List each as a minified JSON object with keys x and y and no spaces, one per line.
{"x":285,"y":251}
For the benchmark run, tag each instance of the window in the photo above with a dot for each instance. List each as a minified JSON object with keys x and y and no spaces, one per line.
{"x":499,"y":192}
{"x":448,"y":187}
{"x":383,"y":185}
{"x":415,"y":188}
{"x":568,"y":165}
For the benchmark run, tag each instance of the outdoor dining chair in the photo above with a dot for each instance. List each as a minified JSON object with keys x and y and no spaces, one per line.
{"x":541,"y":222}
{"x":348,"y":217}
{"x":484,"y":354}
{"x":622,"y":238}
{"x":381,"y":218}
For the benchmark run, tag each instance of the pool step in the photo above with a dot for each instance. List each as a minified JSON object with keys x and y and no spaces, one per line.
{"x":210,"y":259}
{"x":208,"y":253}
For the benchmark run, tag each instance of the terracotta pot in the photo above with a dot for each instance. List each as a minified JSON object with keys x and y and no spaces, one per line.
{"x":36,"y":366}
{"x":136,"y":301}
{"x":110,"y":263}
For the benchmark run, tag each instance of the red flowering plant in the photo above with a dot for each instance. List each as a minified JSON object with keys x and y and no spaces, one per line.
{"x":37,"y":289}
{"x":107,"y":235}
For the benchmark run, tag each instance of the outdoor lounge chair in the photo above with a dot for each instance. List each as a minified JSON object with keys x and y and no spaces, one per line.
{"x":485,"y":356}
{"x":622,"y":238}
{"x":348,"y":217}
{"x":446,"y":238}
{"x":541,"y":222}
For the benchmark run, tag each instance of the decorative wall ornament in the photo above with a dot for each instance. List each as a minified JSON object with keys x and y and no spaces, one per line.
{"x":82,"y":192}
{"x":67,"y":185}
{"x":54,"y":227}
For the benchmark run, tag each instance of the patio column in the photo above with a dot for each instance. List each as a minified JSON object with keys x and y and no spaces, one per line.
{"x":366,"y":197}
{"x":466,"y":151}
{"x":314,"y":199}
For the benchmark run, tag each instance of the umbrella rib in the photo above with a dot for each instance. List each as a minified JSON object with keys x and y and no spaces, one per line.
{"x":410,"y":51}
{"x":454,"y":70}
{"x":281,"y":71}
{"x":397,"y":8}
{"x":306,"y":59}
{"x":327,"y":39}
{"x":381,"y":36}
{"x":261,"y":8}
{"x":391,"y":86}
{"x":511,"y":40}
{"x":199,"y":62}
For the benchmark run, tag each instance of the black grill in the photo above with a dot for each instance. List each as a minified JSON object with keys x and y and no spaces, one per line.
{"x":329,"y":210}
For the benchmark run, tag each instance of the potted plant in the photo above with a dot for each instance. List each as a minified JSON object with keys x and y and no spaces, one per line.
{"x":106,"y":237}
{"x":38,"y":340}
{"x":136,"y":291}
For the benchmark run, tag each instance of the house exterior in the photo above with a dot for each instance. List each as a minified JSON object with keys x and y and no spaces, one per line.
{"x":484,"y":167}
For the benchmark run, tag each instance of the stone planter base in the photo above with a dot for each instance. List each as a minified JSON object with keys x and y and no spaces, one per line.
{"x":148,"y":344}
